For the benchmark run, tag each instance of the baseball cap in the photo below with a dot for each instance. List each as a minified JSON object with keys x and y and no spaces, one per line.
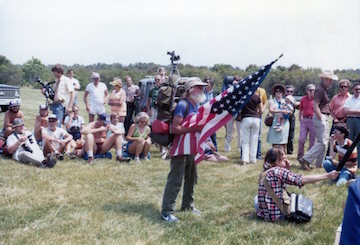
{"x":14,"y":103}
{"x":95,"y":75}
{"x":43,"y":107}
{"x":104,"y":117}
{"x":52,"y":116}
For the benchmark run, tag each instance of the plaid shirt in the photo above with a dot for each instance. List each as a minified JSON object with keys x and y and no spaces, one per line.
{"x":278,"y":178}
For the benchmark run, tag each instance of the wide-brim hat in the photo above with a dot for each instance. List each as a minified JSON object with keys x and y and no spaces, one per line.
{"x":329,"y":75}
{"x":278,"y":86}
{"x":116,"y":82}
{"x":194,"y":81}
{"x":17,"y":122}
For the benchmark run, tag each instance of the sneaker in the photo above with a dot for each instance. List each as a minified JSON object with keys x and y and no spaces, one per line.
{"x":164,"y":154}
{"x":123,"y":159}
{"x":194,"y":210}
{"x":304,"y":164}
{"x":137,"y":160}
{"x":50,"y":160}
{"x":147,"y":159}
{"x":71,"y":155}
{"x":170,"y":218}
{"x":60,"y":156}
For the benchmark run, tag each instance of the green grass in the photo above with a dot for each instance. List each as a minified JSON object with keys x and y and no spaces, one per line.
{"x":112,"y":203}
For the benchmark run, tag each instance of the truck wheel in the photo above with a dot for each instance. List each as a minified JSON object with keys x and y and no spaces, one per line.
{"x":4,"y":108}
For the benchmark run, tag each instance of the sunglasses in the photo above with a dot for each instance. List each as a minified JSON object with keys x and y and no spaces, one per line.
{"x":290,"y":91}
{"x":343,"y":86}
{"x":157,"y":79}
{"x":357,"y":89}
{"x":52,"y":121}
{"x":278,"y":91}
{"x":311,"y":90}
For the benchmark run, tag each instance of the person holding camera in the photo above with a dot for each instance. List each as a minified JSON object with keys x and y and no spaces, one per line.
{"x":74,"y":124}
{"x":21,"y":144}
{"x":64,"y":94}
{"x":56,"y":140}
{"x":278,"y":175}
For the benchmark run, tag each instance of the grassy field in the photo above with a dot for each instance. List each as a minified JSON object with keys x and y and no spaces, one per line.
{"x":112,"y":203}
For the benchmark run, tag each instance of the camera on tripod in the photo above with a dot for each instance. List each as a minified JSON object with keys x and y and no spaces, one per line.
{"x":173,"y":56}
{"x":49,"y":92}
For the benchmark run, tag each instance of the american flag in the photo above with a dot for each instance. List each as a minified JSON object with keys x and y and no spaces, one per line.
{"x":216,"y":113}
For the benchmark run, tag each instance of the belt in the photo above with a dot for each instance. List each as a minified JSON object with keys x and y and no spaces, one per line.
{"x":57,"y":102}
{"x":308,"y":117}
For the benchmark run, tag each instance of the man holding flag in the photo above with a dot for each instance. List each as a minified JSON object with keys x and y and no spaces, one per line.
{"x":192,"y":126}
{"x":183,"y":152}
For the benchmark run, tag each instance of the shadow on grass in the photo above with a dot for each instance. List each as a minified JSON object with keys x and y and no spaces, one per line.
{"x":145,"y":210}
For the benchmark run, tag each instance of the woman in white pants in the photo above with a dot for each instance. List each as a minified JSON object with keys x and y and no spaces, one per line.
{"x":250,"y":125}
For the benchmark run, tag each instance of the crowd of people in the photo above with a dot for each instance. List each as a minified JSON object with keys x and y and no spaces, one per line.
{"x":63,"y":133}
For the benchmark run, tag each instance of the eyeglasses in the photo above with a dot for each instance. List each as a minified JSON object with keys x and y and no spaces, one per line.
{"x":289,"y":91}
{"x":278,"y":91}
{"x":343,"y":86}
{"x":311,"y":90}
{"x":357,"y":89}
{"x":52,"y":121}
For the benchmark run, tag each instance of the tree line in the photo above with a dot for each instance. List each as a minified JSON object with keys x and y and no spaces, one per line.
{"x":25,"y":74}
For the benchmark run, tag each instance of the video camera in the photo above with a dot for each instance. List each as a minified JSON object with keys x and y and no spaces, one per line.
{"x":173,"y":57}
{"x":49,"y":92}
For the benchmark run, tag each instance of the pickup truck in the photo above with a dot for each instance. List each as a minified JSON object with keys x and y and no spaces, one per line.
{"x":8,"y":93}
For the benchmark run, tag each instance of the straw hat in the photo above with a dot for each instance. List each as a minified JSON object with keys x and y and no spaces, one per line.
{"x":116,"y":82}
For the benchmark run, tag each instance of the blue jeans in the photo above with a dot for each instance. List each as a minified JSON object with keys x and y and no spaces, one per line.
{"x":59,"y":111}
{"x":258,"y":153}
{"x":344,"y":175}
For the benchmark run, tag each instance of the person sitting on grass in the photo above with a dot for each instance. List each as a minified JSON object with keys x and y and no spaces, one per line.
{"x":211,"y":154}
{"x":56,"y":140}
{"x":41,"y":121}
{"x":74,"y":124}
{"x":96,"y":141}
{"x":278,"y":175}
{"x":10,"y":115}
{"x":138,"y":138}
{"x":117,"y":127}
{"x":21,"y":144}
{"x":340,"y":144}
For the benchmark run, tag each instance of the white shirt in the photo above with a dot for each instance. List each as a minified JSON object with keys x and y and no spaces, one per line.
{"x":118,"y":126}
{"x":75,"y":83}
{"x":64,"y":89}
{"x":12,"y":139}
{"x":353,"y":103}
{"x":78,"y":122}
{"x":96,"y":94}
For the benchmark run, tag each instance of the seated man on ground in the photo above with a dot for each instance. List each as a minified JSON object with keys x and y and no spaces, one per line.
{"x":21,"y":144}
{"x":340,"y":144}
{"x":10,"y":115}
{"x":74,"y":124}
{"x":41,"y":121}
{"x":96,"y":141}
{"x":138,"y":138}
{"x":56,"y":140}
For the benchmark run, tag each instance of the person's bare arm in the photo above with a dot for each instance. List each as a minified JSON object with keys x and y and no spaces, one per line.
{"x":260,"y":108}
{"x":300,"y":114}
{"x":350,"y":111}
{"x":7,"y":122}
{"x":11,"y":149}
{"x":88,"y":129}
{"x":318,"y":177}
{"x":86,"y":101}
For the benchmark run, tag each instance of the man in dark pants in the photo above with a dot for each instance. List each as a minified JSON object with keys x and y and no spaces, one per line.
{"x":292,"y":119}
{"x":182,"y":154}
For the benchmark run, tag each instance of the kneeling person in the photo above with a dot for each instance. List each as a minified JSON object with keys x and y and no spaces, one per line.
{"x":23,"y":147}
{"x":56,"y":140}
{"x":96,"y":141}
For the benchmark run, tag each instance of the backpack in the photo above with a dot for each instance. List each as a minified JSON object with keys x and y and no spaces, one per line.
{"x":161,"y":131}
{"x":169,"y":95}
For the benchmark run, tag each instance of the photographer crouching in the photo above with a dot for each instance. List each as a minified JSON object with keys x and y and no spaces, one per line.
{"x":23,"y":147}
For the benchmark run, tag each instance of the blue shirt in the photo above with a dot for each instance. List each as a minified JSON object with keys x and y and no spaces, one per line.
{"x":180,"y":108}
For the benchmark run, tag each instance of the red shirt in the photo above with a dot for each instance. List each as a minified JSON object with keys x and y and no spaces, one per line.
{"x":307,"y":106}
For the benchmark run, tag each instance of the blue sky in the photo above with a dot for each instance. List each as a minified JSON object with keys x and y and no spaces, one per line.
{"x":322,"y":33}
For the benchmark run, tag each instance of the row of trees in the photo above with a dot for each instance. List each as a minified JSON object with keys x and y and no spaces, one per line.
{"x":24,"y":75}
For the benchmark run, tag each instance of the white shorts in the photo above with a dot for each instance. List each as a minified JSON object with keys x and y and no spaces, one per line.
{"x":96,"y":109}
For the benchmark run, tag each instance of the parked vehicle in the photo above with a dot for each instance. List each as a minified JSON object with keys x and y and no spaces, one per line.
{"x":145,"y":85}
{"x":8,"y":93}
